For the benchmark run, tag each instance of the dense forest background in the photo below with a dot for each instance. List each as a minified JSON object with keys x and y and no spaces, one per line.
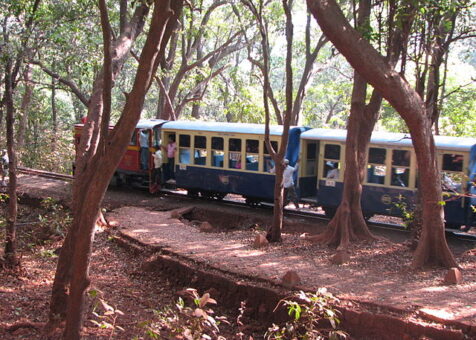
{"x":213,"y":68}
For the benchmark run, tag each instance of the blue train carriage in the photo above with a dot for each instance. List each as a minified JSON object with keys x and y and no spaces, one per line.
{"x":391,"y":176}
{"x":214,"y":159}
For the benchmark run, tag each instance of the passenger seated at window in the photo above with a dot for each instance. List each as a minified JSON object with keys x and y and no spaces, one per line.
{"x":334,"y":172}
{"x":449,"y":184}
{"x":400,"y":177}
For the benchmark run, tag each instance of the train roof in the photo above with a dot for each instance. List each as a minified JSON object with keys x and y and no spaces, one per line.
{"x":393,"y":139}
{"x":149,"y":123}
{"x":223,"y":127}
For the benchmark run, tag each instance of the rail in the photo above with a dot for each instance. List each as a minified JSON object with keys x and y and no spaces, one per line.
{"x":453,"y":233}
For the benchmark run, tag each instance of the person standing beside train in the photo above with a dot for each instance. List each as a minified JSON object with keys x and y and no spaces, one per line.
{"x":289,"y":187}
{"x":156,"y":179}
{"x":144,"y":149}
{"x":170,"y":149}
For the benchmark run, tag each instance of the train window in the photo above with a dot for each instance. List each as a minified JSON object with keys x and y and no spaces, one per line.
{"x":451,"y":181}
{"x":401,"y":158}
{"x":400,"y":168}
{"x":234,"y":147}
{"x":332,"y":151}
{"x":267,"y":160}
{"x":452,"y":162}
{"x":252,"y":155}
{"x":376,"y":170}
{"x":331,"y":161}
{"x":217,"y":152}
{"x":377,"y":155}
{"x":452,"y":176}
{"x":311,"y":158}
{"x":200,"y":150}
{"x":184,"y":149}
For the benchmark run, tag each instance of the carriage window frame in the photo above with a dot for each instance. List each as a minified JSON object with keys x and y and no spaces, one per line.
{"x":201,"y":150}
{"x":397,"y":165}
{"x":452,"y":177}
{"x":217,"y":150}
{"x":268,"y":163}
{"x":184,"y":150}
{"x":373,"y":165}
{"x":234,"y":155}
{"x":252,"y":156}
{"x":329,"y":160}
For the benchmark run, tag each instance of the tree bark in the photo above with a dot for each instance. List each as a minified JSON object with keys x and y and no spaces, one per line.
{"x":11,"y":259}
{"x":89,"y":140}
{"x":93,"y":179}
{"x":432,"y":247}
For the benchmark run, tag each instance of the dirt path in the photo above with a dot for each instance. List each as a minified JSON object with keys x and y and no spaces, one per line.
{"x":378,"y":274}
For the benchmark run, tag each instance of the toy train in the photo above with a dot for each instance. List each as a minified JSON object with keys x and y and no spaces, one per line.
{"x":216,"y":159}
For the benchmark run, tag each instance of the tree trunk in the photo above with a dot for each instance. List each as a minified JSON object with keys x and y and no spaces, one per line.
{"x":11,"y":260}
{"x":92,"y":180}
{"x":274,"y":232}
{"x":25,"y":106}
{"x":432,"y":247}
{"x":54,"y":116}
{"x":89,"y":140}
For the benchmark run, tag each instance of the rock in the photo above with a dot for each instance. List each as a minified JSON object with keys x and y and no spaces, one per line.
{"x":453,"y":277}
{"x":340,"y":257}
{"x":205,"y":227}
{"x":260,"y":241}
{"x":291,"y":278}
{"x":178,"y":213}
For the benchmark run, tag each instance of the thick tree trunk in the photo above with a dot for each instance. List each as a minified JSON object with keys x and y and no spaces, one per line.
{"x":392,"y":86}
{"x":89,"y":140}
{"x":102,"y":165}
{"x":11,"y":259}
{"x":349,"y":224}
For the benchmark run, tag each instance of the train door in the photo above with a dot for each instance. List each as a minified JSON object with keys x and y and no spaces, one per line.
{"x":169,"y":141}
{"x":453,"y":182}
{"x":309,"y":163}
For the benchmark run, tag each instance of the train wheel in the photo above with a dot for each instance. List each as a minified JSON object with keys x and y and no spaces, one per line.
{"x":192,"y":193}
{"x":252,"y":202}
{"x":219,"y":196}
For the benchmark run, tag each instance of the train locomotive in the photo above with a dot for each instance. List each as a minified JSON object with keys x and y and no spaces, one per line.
{"x":215,"y":159}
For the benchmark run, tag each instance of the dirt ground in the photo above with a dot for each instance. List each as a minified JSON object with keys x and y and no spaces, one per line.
{"x":378,"y":273}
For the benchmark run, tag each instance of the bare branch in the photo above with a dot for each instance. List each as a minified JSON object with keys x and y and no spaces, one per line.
{"x":69,"y":83}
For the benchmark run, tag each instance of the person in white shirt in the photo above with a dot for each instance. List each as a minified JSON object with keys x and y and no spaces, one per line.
{"x":156,"y":178}
{"x":144,"y":149}
{"x":289,"y":188}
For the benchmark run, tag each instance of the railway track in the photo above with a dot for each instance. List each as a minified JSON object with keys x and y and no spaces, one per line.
{"x":451,"y":233}
{"x":46,"y":174}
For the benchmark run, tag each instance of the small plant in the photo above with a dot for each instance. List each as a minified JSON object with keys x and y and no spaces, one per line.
{"x":106,"y":314}
{"x":191,"y":323}
{"x":56,"y":219}
{"x":311,"y":316}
